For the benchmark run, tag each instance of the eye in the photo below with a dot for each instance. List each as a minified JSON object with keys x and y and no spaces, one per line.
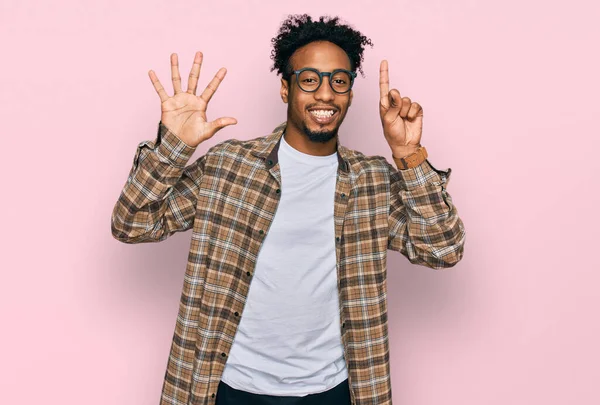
{"x":309,"y":80}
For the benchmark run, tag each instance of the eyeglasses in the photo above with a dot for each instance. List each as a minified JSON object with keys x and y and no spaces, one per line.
{"x":310,"y":79}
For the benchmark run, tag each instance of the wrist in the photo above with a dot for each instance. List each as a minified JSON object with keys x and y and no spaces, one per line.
{"x":403,"y":151}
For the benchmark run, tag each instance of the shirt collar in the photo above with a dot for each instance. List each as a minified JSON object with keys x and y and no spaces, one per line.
{"x":268,"y":148}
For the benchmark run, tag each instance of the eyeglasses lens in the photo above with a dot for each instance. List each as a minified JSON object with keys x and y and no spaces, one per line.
{"x":309,"y":81}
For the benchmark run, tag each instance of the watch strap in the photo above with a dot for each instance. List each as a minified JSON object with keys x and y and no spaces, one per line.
{"x":412,"y":160}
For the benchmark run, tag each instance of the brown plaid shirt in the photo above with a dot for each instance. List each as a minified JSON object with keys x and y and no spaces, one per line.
{"x":229,"y":198}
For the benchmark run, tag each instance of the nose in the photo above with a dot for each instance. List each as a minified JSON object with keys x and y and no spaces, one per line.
{"x":325,"y":92}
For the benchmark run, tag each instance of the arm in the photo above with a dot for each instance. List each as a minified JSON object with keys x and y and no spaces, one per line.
{"x":423,"y":222}
{"x":160,"y":195}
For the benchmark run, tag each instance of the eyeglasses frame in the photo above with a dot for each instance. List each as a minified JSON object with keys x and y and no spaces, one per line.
{"x":321,"y":74}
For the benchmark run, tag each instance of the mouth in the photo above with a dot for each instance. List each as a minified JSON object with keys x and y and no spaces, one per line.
{"x":323,"y":116}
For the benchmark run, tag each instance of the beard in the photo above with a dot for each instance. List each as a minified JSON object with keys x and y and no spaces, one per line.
{"x":319,"y":136}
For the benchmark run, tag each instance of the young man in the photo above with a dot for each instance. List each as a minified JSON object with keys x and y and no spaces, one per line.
{"x":284,"y":297}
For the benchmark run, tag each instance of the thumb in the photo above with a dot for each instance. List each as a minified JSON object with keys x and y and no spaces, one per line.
{"x":221,"y":123}
{"x":395,"y":104}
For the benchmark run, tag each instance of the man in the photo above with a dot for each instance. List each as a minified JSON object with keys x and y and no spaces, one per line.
{"x":284,"y":296}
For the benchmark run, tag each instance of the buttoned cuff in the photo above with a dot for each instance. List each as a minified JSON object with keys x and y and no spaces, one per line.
{"x":424,"y":174}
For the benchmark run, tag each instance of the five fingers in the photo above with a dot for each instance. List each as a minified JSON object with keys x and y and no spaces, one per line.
{"x":192,"y":80}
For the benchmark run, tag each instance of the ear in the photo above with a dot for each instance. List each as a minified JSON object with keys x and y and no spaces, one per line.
{"x":284,"y":90}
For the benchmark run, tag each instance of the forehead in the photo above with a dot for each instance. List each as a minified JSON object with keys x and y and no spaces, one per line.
{"x":322,"y":55}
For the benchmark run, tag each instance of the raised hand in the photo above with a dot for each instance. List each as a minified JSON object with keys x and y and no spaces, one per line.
{"x":185,"y":113}
{"x":402,"y":119}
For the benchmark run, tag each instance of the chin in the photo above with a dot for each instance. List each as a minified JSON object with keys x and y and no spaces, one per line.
{"x":320,"y":134}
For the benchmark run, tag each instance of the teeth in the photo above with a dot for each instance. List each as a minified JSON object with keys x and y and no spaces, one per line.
{"x":322,"y":113}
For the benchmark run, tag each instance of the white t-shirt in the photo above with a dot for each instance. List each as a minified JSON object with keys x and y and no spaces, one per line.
{"x":288,"y":342}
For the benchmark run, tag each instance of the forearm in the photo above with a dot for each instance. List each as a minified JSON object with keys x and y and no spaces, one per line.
{"x":158,"y":197}
{"x":424,"y":223}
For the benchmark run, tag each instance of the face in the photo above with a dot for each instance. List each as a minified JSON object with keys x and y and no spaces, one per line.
{"x":325,"y":57}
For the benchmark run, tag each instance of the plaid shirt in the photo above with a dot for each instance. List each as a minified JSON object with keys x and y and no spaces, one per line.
{"x":229,"y":198}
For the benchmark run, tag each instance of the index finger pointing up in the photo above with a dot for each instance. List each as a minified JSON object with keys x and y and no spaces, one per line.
{"x":384,"y":79}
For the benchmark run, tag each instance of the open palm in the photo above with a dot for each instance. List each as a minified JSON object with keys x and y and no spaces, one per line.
{"x":184,"y":113}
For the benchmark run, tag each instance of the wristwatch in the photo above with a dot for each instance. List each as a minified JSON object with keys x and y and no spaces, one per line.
{"x":412,"y":160}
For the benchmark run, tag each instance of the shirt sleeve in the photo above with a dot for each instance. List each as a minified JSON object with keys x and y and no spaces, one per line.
{"x":160,"y":195}
{"x":423,"y":222}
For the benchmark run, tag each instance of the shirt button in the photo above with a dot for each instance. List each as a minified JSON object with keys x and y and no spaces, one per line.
{"x":248,"y":273}
{"x":212,"y":395}
{"x":223,"y":354}
{"x":343,"y":195}
{"x":261,"y":231}
{"x":269,"y":162}
{"x":337,"y":238}
{"x":237,"y":313}
{"x":278,"y":191}
{"x":343,"y":324}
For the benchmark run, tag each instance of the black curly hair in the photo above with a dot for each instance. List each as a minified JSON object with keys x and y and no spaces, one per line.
{"x":300,"y":29}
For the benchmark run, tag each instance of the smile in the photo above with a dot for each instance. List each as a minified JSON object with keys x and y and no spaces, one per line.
{"x":323,"y":116}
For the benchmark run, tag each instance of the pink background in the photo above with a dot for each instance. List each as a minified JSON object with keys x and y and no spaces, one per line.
{"x":510,"y":94}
